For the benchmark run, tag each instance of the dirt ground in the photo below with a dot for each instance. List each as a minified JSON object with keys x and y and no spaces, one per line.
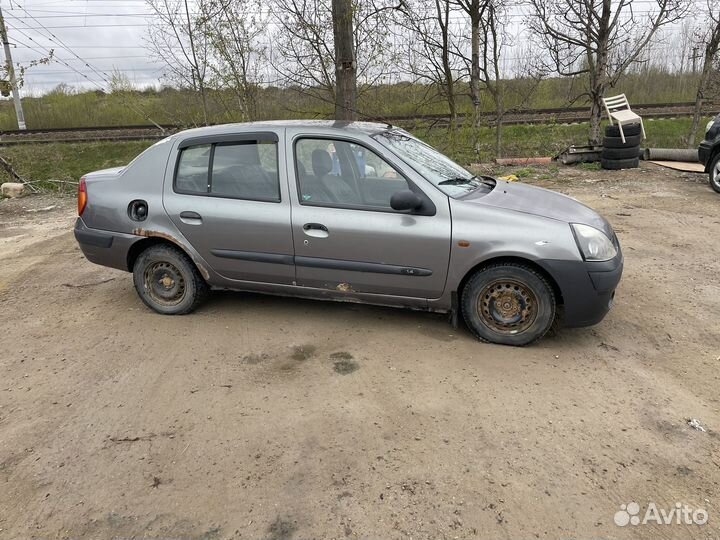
{"x":263,"y":417}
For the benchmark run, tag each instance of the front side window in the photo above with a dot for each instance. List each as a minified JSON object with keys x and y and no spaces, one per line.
{"x":238,"y":170}
{"x":341,"y":173}
{"x":448,"y":176}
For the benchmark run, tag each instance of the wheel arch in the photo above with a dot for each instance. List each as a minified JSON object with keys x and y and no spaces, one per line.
{"x":507,"y":259}
{"x":154,"y":240}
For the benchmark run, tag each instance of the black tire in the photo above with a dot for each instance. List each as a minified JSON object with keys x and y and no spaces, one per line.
{"x":621,"y":153}
{"x":616,"y":142}
{"x":714,"y":175}
{"x":629,"y":129}
{"x":167,"y":281}
{"x":617,"y":164}
{"x":525,"y":293}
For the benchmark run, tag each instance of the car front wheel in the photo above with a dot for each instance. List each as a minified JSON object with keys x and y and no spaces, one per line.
{"x":509,"y":304}
{"x":715,"y":173}
{"x":167,"y":280}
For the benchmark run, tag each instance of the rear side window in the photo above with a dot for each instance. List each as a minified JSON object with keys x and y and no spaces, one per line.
{"x":237,"y":170}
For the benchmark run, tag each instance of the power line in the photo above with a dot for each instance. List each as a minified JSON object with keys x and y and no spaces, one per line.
{"x":48,"y":28}
{"x":56,"y":72}
{"x":100,"y":45}
{"x":101,"y":74}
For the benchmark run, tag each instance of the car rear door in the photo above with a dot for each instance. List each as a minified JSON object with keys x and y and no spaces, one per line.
{"x":228,"y":195}
{"x":347,"y":237}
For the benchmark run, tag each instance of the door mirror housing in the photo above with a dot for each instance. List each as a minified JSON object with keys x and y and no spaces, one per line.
{"x":405,"y":200}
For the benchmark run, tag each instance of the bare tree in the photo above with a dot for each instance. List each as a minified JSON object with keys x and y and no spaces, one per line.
{"x":304,"y":49}
{"x":475,"y":10}
{"x":432,"y":49}
{"x":490,"y":67}
{"x":487,"y":40}
{"x":710,"y":39}
{"x":180,"y":39}
{"x":235,"y":41}
{"x":599,"y":38}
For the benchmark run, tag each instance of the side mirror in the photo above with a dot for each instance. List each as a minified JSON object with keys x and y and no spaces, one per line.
{"x":405,"y":200}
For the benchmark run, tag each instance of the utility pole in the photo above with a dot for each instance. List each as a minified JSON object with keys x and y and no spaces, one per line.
{"x":11,"y":74}
{"x":345,"y":65}
{"x":694,"y":58}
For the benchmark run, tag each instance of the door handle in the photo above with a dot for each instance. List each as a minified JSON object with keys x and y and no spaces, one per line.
{"x":316,"y":230}
{"x":191,"y":218}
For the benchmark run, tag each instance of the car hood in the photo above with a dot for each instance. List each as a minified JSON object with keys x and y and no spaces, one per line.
{"x":540,"y":202}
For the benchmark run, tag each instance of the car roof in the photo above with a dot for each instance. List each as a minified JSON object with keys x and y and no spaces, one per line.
{"x":367,"y":128}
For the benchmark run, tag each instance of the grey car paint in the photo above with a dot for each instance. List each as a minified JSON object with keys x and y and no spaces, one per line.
{"x":513,"y":221}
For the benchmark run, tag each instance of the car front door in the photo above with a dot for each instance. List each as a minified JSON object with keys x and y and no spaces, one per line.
{"x":225,"y":195}
{"x":347,"y":237}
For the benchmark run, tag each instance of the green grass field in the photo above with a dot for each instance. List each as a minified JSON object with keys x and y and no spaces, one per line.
{"x":69,"y":161}
{"x":64,"y":107}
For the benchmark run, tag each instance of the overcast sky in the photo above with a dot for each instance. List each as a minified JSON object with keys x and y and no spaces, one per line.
{"x":107,"y":34}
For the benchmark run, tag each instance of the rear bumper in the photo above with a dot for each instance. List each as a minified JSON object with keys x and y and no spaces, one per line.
{"x":588,"y":288}
{"x":104,"y":247}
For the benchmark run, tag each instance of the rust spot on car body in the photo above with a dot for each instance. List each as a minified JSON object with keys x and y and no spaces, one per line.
{"x":170,"y":238}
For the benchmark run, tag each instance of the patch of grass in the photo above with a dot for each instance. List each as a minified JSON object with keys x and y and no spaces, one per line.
{"x":525,"y":172}
{"x":67,"y":107}
{"x":69,"y":161}
{"x":589,"y":166}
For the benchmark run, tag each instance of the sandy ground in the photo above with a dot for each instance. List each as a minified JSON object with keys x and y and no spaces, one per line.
{"x":263,"y":417}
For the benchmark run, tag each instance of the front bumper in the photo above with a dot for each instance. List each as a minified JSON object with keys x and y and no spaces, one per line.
{"x":704,"y":153}
{"x":587,"y":288}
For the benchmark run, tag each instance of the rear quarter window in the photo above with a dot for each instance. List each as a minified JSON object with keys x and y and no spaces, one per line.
{"x":193,"y":169}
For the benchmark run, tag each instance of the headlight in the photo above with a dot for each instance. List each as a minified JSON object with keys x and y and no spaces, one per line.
{"x":593,"y":243}
{"x":709,"y":125}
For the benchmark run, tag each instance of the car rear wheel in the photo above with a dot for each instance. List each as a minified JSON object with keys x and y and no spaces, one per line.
{"x":509,"y":304}
{"x":167,"y":280}
{"x":715,"y":172}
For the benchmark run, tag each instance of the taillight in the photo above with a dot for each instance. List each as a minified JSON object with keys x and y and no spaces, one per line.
{"x":82,"y":196}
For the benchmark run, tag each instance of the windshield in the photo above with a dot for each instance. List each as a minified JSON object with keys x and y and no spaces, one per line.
{"x":448,"y":176}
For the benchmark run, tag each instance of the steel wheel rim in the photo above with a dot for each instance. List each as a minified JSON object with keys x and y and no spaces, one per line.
{"x":164,"y":283}
{"x":507,"y":306}
{"x":715,"y":179}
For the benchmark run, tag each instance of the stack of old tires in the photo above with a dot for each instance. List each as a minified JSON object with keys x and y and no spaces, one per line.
{"x":617,"y":154}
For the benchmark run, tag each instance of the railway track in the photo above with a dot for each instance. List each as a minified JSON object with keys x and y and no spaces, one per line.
{"x":568,"y":115}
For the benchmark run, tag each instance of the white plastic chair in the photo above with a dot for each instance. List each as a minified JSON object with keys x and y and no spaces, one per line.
{"x":618,"y":109}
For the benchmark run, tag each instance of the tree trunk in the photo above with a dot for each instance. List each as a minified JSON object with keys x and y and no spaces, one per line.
{"x":697,"y":114}
{"x":475,"y":65}
{"x":345,"y":66}
{"x":452,"y":105}
{"x":595,"y":117}
{"x":443,"y":13}
{"x":711,"y":50}
{"x":499,"y":114}
{"x":203,"y":98}
{"x":598,"y":67}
